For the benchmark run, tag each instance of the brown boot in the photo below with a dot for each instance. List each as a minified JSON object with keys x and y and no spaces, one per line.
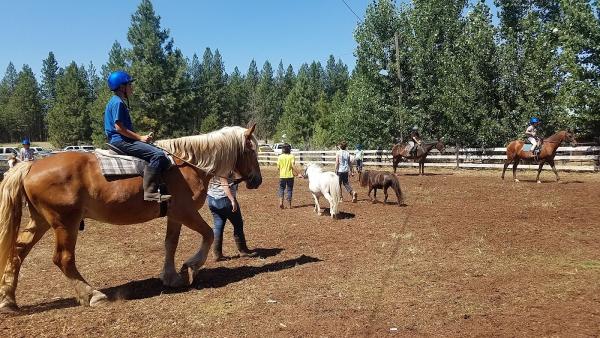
{"x":289,"y":204}
{"x":281,"y":203}
{"x":240,"y":242}
{"x":354,"y":197}
{"x":218,"y":249}
{"x":151,"y":183}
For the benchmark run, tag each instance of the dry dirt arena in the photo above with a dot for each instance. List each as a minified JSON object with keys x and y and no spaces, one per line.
{"x":469,"y":255}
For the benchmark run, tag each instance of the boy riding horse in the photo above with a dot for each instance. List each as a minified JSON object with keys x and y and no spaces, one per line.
{"x":531,"y":134}
{"x":119,"y":131}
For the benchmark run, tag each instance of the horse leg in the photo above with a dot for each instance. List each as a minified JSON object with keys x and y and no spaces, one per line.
{"x":169,"y":275}
{"x":317,"y":206}
{"x":385,"y":194}
{"x":421,"y":168}
{"x":395,"y":162}
{"x":198,"y":224}
{"x":65,"y":230}
{"x":374,"y":200}
{"x":329,"y":199}
{"x":33,"y":232}
{"x":537,"y":178}
{"x":506,"y":163}
{"x":514,"y":169}
{"x":554,"y":170}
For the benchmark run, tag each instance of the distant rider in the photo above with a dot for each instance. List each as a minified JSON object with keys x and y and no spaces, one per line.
{"x":415,"y":140}
{"x":26,"y":153}
{"x":531,"y":134}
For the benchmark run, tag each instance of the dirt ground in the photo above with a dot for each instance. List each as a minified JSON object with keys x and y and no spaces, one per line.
{"x":469,"y":255}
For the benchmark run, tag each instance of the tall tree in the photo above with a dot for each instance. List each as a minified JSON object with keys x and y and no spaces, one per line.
{"x":267,"y":114}
{"x":24,"y":108}
{"x":68,"y":119}
{"x":7,"y":86}
{"x":237,"y":98}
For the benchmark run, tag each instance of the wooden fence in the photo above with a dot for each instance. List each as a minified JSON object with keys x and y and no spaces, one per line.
{"x":580,"y":158}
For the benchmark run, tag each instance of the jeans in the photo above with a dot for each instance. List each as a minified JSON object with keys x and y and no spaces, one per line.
{"x":283,"y":183}
{"x":221,"y":212}
{"x":359,"y":165}
{"x":344,"y":180}
{"x":156,"y":157}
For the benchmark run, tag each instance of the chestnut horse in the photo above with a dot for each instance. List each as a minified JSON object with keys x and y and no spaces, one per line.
{"x":402,"y":150}
{"x":514,"y":153}
{"x":381,"y":180}
{"x":63,"y":189}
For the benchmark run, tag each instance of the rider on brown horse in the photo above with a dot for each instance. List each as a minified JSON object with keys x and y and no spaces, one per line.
{"x":531,"y":134}
{"x":415,"y":140}
{"x":119,"y":131}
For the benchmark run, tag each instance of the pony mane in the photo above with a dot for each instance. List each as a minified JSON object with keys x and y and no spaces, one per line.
{"x":214,"y":153}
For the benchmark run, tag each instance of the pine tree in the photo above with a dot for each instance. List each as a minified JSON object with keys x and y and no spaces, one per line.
{"x":69,"y":120}
{"x":116,"y":60}
{"x":24,"y":108}
{"x":237,"y":99}
{"x":7,"y":86}
{"x":267,"y":114}
{"x":252,"y":78}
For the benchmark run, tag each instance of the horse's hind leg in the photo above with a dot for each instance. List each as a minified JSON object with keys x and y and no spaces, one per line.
{"x":169,"y":275}
{"x":507,"y":162}
{"x":65,"y":230}
{"x":317,"y":206}
{"x":33,"y":232}
{"x":385,"y":194}
{"x":514,"y":169}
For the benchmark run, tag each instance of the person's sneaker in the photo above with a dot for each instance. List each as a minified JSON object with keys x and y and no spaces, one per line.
{"x":354,"y":196}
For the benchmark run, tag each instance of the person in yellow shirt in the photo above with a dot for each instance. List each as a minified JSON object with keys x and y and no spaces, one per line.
{"x":286,"y":164}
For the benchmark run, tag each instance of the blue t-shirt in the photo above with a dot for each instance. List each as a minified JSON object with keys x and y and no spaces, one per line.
{"x":116,"y":110}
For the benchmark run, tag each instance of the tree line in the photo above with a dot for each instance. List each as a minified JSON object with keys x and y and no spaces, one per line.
{"x":442,"y":65}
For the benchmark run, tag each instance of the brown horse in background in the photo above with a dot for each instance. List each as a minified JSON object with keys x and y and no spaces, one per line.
{"x":381,"y":180}
{"x":63,"y":189}
{"x":402,"y":150}
{"x":514,"y":153}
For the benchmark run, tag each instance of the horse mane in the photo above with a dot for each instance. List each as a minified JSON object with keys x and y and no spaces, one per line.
{"x":214,"y":153}
{"x":556,"y":135}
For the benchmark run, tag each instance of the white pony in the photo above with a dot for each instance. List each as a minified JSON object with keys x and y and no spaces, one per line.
{"x":324,"y":184}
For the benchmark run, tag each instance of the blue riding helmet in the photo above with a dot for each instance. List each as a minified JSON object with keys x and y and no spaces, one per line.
{"x":534,"y":120}
{"x":359,"y":146}
{"x":415,"y":128}
{"x":118,"y":78}
{"x":26,"y":141}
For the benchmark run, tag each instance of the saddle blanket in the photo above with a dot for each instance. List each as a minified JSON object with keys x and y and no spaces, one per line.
{"x":112,"y":164}
{"x":527,"y":147}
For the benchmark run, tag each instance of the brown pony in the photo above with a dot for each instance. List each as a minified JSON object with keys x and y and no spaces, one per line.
{"x":63,"y":189}
{"x":381,"y":180}
{"x":514,"y":153}
{"x":402,"y":150}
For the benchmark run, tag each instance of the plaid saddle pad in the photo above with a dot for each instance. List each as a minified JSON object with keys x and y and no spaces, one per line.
{"x":115,"y":165}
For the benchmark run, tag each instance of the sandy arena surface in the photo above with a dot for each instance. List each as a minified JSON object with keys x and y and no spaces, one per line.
{"x":469,"y":255}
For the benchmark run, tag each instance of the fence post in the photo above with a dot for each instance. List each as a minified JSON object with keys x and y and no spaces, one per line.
{"x":457,"y":150}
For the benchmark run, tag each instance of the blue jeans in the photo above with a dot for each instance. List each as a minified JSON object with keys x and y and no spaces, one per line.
{"x":221,"y":212}
{"x":147,"y":152}
{"x":283,"y":183}
{"x":343,"y":177}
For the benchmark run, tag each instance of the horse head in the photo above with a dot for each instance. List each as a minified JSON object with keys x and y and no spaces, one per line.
{"x":307,"y":166}
{"x":364,"y":178}
{"x":440,"y":145}
{"x":246,"y":166}
{"x":570,"y":137}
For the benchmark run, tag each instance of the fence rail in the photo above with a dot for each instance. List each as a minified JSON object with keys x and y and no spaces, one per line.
{"x":580,"y":158}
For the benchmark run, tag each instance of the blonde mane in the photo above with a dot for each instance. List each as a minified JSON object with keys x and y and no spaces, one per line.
{"x":214,"y":153}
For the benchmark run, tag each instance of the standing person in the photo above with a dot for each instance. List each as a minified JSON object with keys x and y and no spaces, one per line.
{"x":119,"y":131}
{"x":358,"y":157}
{"x":286,"y":164}
{"x":26,"y":153}
{"x":343,"y":167}
{"x":223,"y":205}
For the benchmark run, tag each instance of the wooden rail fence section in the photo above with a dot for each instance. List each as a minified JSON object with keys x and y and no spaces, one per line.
{"x":580,"y":158}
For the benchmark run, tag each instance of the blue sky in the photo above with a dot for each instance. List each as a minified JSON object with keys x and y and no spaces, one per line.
{"x":295,"y":31}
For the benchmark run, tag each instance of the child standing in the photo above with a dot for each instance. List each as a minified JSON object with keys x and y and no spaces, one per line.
{"x":285,"y":163}
{"x":358,"y":157}
{"x":343,"y":167}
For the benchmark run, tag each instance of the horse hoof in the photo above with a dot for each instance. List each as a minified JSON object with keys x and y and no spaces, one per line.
{"x":516,"y":180}
{"x":7,"y":307}
{"x":98,"y":298}
{"x":539,"y":181}
{"x":320,"y":213}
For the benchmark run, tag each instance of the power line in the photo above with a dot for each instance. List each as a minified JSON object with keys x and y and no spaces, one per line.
{"x":351,"y":10}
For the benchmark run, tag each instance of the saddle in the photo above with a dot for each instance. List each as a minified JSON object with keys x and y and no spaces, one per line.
{"x":114,"y":162}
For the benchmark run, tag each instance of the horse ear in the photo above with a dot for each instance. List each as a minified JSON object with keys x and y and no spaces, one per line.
{"x":250,"y":130}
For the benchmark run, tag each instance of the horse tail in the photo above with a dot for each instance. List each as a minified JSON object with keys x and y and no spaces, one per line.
{"x":336,"y":192}
{"x":11,"y":202}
